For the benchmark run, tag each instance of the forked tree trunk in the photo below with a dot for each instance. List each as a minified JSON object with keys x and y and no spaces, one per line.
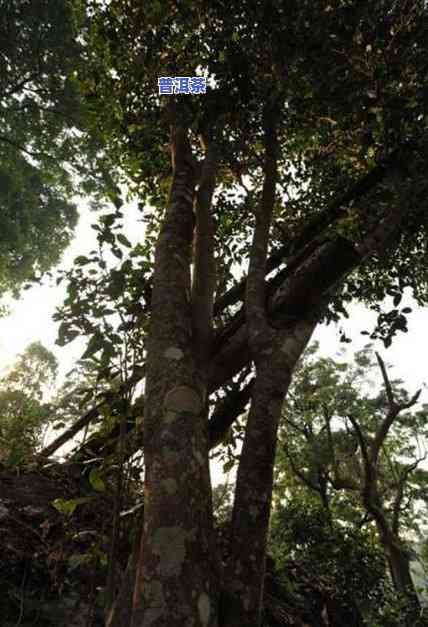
{"x":242,"y":598}
{"x":177,"y":581}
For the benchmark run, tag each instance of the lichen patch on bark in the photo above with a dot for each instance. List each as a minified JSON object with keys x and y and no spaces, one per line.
{"x":151,"y":615}
{"x":183,"y":399}
{"x":154,"y":594}
{"x":204,"y":608}
{"x":169,"y":417}
{"x":169,"y":455}
{"x":174,"y":353}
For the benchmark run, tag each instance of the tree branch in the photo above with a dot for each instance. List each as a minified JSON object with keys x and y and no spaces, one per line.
{"x":396,"y":508}
{"x":393,"y":411}
{"x":204,"y":274}
{"x":319,"y":223}
{"x":300,"y":474}
{"x":337,"y":481}
{"x":368,"y":470}
{"x":255,"y":286}
{"x":226,"y":412}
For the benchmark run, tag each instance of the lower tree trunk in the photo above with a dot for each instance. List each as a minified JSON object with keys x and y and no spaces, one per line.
{"x":242,"y":600}
{"x":176,"y":576}
{"x":400,"y":569}
{"x":399,"y":565}
{"x":175,"y":580}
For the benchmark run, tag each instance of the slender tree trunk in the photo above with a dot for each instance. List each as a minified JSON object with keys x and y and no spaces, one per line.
{"x":120,"y":614}
{"x":399,"y":565}
{"x":398,"y":560}
{"x":242,"y":601}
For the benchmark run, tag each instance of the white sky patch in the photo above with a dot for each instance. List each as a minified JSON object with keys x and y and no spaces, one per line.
{"x":30,"y":317}
{"x":31,"y":320}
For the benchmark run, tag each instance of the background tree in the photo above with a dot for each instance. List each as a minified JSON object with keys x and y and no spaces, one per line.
{"x":336,"y":436}
{"x":25,"y":412}
{"x":343,"y":564}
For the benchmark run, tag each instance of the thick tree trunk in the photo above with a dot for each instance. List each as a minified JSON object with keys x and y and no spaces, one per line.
{"x":242,"y":601}
{"x":175,"y":582}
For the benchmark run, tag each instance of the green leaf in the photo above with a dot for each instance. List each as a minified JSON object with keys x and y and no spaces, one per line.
{"x":68,"y":506}
{"x":96,"y":480}
{"x":96,"y":343}
{"x":117,"y":252}
{"x":124,"y":240}
{"x":81,"y":260}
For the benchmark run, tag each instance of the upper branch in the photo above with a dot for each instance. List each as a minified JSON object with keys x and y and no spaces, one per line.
{"x":255,"y":293}
{"x":319,"y":223}
{"x":396,"y":508}
{"x":393,"y":411}
{"x":204,"y":273}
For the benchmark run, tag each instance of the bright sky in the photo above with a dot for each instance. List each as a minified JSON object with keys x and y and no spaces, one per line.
{"x":30,"y":320}
{"x":31,"y":317}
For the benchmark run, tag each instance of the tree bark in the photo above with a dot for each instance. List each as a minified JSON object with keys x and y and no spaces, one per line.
{"x":174,"y":582}
{"x":399,"y":567}
{"x":251,"y":511}
{"x":275,"y":354}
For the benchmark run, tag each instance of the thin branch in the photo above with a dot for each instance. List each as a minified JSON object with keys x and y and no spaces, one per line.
{"x":204,"y":273}
{"x":299,"y":474}
{"x":226,"y":412}
{"x":393,"y":411}
{"x":18,"y":86}
{"x":303,"y":430}
{"x":92,"y":414}
{"x":319,"y":223}
{"x":30,"y":153}
{"x":387,"y":382}
{"x":364,"y":451}
{"x":327,"y":419}
{"x":396,"y":509}
{"x":255,"y":287}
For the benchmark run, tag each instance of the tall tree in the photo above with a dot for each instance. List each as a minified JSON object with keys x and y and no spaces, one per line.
{"x":310,"y":143}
